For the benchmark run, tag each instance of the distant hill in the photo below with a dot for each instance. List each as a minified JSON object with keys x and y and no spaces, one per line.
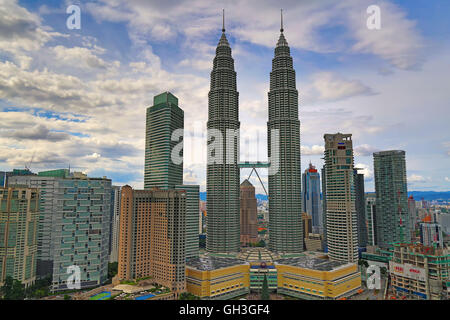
{"x":417,"y":195}
{"x":430,"y":195}
{"x":258,"y":196}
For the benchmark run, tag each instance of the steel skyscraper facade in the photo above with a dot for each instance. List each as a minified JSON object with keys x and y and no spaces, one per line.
{"x":311,"y":197}
{"x":285,"y":204}
{"x":360,"y":207}
{"x":163,"y":118}
{"x":393,"y":222}
{"x":223,"y":192}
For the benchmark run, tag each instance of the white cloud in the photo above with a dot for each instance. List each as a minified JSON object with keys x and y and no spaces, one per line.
{"x":313,"y":150}
{"x":366,"y":170}
{"x":329,"y":86}
{"x":77,"y":57}
{"x":416,"y":178}
{"x":365,"y":150}
{"x":398,"y":41}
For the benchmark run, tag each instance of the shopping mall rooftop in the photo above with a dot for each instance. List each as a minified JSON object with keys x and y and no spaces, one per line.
{"x":312,"y":263}
{"x":208,"y":263}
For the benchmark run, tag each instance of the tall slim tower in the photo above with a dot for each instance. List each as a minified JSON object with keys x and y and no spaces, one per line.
{"x":222,"y":184}
{"x":163,"y":118}
{"x":360,"y":207}
{"x":393,"y":223}
{"x":311,"y":197}
{"x":285,"y":204}
{"x":342,"y":237}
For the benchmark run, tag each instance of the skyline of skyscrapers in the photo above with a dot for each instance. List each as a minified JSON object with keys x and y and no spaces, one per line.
{"x":154,"y":233}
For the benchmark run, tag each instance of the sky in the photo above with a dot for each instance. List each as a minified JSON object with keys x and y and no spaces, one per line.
{"x":78,"y":97}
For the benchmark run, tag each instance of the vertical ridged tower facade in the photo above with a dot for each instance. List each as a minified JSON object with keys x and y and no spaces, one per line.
{"x":285,"y":205}
{"x":392,"y":197}
{"x":223,"y":192}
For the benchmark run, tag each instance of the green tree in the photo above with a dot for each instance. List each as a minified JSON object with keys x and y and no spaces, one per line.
{"x":67,"y":297}
{"x":12,"y":289}
{"x":188,"y":296}
{"x":112,"y":269}
{"x":41,"y":288}
{"x":265,"y":289}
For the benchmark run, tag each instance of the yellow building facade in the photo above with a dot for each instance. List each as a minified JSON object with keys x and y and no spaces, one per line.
{"x":304,"y":278}
{"x":212,"y":278}
{"x":308,"y":283}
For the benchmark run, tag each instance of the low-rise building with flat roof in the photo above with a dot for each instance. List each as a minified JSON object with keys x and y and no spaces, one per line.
{"x":420,"y":272}
{"x":216,"y":278}
{"x":314,"y":278}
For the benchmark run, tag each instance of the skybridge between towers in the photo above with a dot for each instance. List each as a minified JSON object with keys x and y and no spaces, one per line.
{"x":254,"y":165}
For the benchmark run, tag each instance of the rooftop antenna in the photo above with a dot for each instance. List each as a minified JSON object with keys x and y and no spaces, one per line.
{"x":223,"y":20}
{"x":281,"y":29}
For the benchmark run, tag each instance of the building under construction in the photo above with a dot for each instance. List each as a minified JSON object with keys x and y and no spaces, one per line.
{"x":420,"y":272}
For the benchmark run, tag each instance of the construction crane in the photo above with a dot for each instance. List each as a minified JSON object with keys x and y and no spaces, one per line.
{"x":31,"y":162}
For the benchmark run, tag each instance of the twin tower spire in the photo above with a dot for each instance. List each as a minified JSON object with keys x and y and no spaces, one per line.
{"x":223,"y":171}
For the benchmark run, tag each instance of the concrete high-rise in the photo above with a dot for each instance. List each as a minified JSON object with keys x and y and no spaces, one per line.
{"x":431,"y":234}
{"x":51,"y":205}
{"x":192,"y":219}
{"x":152,"y":236}
{"x":412,"y":211}
{"x":311,"y":197}
{"x":164,"y":160}
{"x":19,"y":219}
{"x":165,"y":120}
{"x":74,"y":225}
{"x":360,"y":207}
{"x":342,"y":237}
{"x":115,"y":220}
{"x":324,"y":207}
{"x":285,"y":203}
{"x":249,"y":214}
{"x":393,"y":223}
{"x":223,"y":175}
{"x":371,"y":220}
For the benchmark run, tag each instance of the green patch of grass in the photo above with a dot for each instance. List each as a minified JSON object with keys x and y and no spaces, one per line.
{"x":100,"y":296}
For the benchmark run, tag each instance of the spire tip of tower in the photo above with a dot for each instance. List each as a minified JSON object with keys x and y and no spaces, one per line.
{"x":223,"y":20}
{"x":281,"y":29}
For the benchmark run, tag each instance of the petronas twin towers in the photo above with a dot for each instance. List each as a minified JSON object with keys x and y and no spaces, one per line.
{"x":223,"y":176}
